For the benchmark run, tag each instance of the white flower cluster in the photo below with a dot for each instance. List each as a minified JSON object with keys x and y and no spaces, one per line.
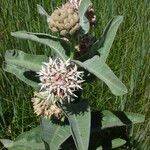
{"x":43,"y":107}
{"x":60,"y":79}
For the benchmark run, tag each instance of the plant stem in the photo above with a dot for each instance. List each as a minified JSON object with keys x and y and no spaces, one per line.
{"x":72,"y":47}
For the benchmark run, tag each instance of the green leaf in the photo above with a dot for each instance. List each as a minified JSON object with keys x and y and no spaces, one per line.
{"x":53,"y":44}
{"x":28,"y":61}
{"x":79,"y":116}
{"x":42,"y":11}
{"x":23,"y":74}
{"x":29,"y":140}
{"x":84,"y":22}
{"x":104,"y":44}
{"x":46,"y":36}
{"x":116,"y":143}
{"x":7,"y":143}
{"x":99,"y":68}
{"x":119,"y":118}
{"x":54,"y":134}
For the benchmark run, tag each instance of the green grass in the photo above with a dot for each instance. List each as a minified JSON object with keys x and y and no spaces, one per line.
{"x":129,"y":59}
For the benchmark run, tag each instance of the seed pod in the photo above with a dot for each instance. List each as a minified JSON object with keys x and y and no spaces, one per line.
{"x":65,"y":20}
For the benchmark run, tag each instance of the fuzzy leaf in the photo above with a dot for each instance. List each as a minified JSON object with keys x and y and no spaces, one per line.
{"x":116,"y":143}
{"x":84,"y":22}
{"x":29,"y":140}
{"x":119,"y":118}
{"x":54,"y":134}
{"x":42,"y":11}
{"x":7,"y":143}
{"x":79,"y":116}
{"x":47,"y":36}
{"x":99,"y":68}
{"x":54,"y":45}
{"x":28,"y":61}
{"x":104,"y":44}
{"x":23,"y":74}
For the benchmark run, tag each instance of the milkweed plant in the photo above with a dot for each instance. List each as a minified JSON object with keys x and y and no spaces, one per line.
{"x":66,"y":120}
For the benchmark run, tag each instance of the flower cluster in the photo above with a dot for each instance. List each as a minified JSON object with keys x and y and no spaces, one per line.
{"x":60,"y":79}
{"x":90,"y":14}
{"x":43,"y":107}
{"x":64,"y":20}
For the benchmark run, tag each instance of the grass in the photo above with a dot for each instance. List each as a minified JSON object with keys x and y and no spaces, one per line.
{"x":129,"y":59}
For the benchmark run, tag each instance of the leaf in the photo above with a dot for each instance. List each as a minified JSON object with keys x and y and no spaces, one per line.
{"x":119,"y":118}
{"x":54,"y":45}
{"x":100,"y":69}
{"x":47,"y":36}
{"x":7,"y":143}
{"x":116,"y":143}
{"x":54,"y":134}
{"x":84,"y":22}
{"x":28,"y":61}
{"x":29,"y":140}
{"x":104,"y":44}
{"x":79,"y":116}
{"x":23,"y":74}
{"x":42,"y":11}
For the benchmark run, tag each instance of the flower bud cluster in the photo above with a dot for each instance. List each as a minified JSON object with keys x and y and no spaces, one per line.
{"x":65,"y":20}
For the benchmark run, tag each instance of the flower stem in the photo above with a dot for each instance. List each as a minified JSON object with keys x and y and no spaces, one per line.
{"x":72,"y":47}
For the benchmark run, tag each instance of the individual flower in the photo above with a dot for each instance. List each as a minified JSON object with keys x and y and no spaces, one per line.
{"x":60,"y":79}
{"x":74,"y":3}
{"x":43,"y":107}
{"x":64,"y":20}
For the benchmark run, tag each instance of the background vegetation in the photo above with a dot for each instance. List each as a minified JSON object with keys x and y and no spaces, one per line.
{"x":129,"y":59}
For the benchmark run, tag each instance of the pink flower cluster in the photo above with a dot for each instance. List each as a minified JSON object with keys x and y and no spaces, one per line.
{"x":60,"y":79}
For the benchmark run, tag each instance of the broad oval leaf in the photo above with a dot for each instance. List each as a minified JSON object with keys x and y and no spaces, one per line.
{"x":23,"y":74}
{"x":53,"y":44}
{"x":104,"y":44}
{"x":84,"y":22}
{"x":79,"y":116}
{"x":119,"y":118}
{"x":99,"y":68}
{"x":28,"y":61}
{"x":54,"y":134}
